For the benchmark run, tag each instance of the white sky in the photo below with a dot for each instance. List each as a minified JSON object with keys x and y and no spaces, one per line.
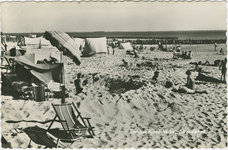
{"x":110,"y":16}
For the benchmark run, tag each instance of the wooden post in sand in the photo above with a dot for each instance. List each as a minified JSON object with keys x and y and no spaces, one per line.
{"x":63,"y":80}
{"x":34,"y":58}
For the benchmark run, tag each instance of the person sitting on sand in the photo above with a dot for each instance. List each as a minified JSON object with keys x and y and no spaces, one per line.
{"x":197,"y":67}
{"x":155,"y":77}
{"x":223,"y":70}
{"x":185,"y":55}
{"x":78,"y":84}
{"x":190,"y":55}
{"x":135,"y":53}
{"x":222,"y":51}
{"x":190,"y":83}
{"x":188,"y":88}
{"x":125,"y":63}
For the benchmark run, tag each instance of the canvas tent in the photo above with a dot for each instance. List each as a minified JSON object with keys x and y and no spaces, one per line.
{"x":44,"y":41}
{"x":94,"y":46}
{"x":43,"y":72}
{"x":32,"y":41}
{"x":80,"y":42}
{"x":126,"y":46}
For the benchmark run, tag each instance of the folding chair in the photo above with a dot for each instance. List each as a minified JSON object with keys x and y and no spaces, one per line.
{"x":42,"y":137}
{"x":70,"y":122}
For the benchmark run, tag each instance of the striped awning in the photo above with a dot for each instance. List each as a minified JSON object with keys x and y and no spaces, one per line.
{"x":67,"y":42}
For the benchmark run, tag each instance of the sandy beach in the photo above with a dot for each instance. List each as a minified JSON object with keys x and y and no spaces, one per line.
{"x":128,"y":111}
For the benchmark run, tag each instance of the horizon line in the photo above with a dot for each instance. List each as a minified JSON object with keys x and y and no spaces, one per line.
{"x":108,"y":31}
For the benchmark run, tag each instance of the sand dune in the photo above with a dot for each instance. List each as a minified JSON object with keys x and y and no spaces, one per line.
{"x":127,"y":110}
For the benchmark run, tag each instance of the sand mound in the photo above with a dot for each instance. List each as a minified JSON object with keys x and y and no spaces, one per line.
{"x":128,"y":111}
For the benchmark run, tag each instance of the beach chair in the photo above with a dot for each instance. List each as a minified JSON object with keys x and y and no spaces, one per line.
{"x":10,"y":66}
{"x":42,"y":137}
{"x":74,"y":125}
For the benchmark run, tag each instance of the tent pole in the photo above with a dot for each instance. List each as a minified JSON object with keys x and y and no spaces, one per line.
{"x":34,"y":57}
{"x":63,"y":79}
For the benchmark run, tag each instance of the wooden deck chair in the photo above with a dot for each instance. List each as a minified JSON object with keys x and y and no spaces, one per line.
{"x":10,"y":66}
{"x":42,"y":137}
{"x":71,"y":122}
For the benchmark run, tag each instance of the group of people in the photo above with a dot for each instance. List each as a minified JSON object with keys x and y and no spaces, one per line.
{"x":183,"y":55}
{"x":187,"y":55}
{"x":189,"y":87}
{"x":113,"y":45}
{"x":217,"y":63}
{"x":221,"y":50}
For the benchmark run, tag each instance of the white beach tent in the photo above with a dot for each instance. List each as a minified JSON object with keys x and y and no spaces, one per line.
{"x":32,"y":41}
{"x":94,"y":46}
{"x":44,"y":41}
{"x":79,"y":42}
{"x":126,"y":46}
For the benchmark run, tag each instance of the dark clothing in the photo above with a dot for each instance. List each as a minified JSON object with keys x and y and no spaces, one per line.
{"x":113,"y":44}
{"x":77,"y":84}
{"x":223,"y":67}
{"x":190,"y":83}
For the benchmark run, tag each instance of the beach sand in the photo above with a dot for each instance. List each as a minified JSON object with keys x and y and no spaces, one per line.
{"x":128,"y":111}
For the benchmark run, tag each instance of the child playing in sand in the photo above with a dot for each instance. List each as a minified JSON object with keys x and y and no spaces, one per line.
{"x":78,"y":84}
{"x":155,"y":77}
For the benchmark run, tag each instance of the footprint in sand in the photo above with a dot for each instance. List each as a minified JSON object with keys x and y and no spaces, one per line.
{"x":7,"y":110}
{"x":27,"y":114}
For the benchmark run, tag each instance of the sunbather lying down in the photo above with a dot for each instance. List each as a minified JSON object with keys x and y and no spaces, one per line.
{"x":183,"y":89}
{"x":207,"y":63}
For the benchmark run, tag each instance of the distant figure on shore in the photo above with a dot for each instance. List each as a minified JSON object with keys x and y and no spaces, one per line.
{"x":108,"y":49}
{"x":113,"y":46}
{"x":190,"y":55}
{"x":222,"y":51}
{"x":78,"y":84}
{"x":159,"y":45}
{"x":207,"y":63}
{"x":135,"y":53}
{"x":223,"y":69}
{"x":216,"y":46}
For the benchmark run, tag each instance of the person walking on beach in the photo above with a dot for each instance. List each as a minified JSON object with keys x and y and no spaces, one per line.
{"x":113,"y":46}
{"x":216,"y":46}
{"x":223,"y":69}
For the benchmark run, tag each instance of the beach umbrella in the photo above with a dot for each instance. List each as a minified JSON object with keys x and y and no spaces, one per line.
{"x":63,"y":42}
